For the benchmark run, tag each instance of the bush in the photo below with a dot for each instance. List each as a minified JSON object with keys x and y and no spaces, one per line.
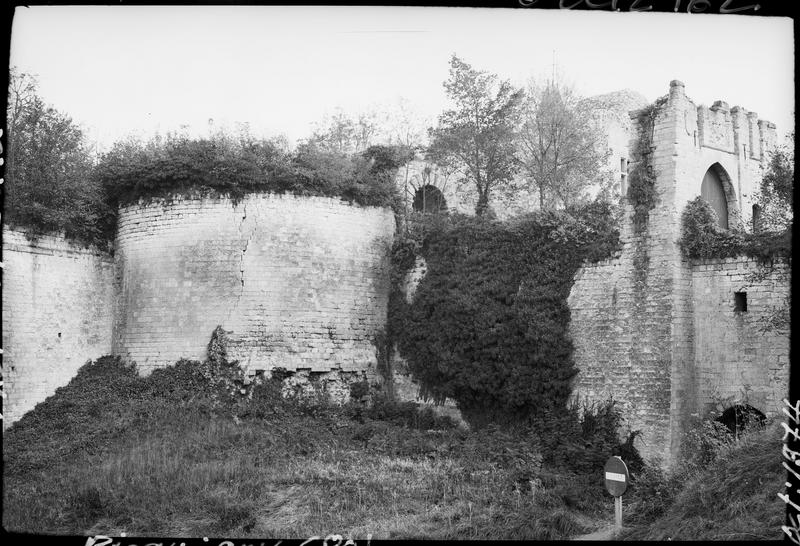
{"x":651,"y":493}
{"x":702,"y":237}
{"x":514,"y":449}
{"x":703,"y":442}
{"x":732,"y":498}
{"x":581,"y":438}
{"x":222,"y":165}
{"x":488,"y":325}
{"x":403,"y":414}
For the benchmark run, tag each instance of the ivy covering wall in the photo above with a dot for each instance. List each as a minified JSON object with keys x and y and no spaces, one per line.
{"x":702,"y":237}
{"x":488,"y":326}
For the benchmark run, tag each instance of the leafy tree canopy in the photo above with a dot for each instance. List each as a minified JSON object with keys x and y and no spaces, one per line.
{"x":776,"y":192}
{"x":49,"y":187}
{"x":561,"y":152}
{"x":477,"y":135}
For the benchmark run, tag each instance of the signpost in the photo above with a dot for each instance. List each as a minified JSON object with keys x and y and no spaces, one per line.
{"x":617,"y":478}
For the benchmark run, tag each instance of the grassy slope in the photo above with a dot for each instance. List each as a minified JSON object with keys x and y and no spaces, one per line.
{"x":162,"y":456}
{"x":734,"y":498}
{"x":112,"y":452}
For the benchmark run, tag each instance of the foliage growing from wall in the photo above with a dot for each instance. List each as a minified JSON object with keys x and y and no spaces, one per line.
{"x":238,"y":166}
{"x":642,"y":178}
{"x":488,"y":324}
{"x":775,"y":195}
{"x":702,"y":237}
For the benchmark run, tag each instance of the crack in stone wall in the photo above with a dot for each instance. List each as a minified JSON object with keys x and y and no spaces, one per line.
{"x":300,"y":282}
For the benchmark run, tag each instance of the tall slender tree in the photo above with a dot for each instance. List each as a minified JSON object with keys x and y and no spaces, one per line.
{"x":478,"y":134}
{"x":560,"y":151}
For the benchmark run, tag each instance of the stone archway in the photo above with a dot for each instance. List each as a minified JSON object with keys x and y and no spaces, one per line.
{"x":429,"y":198}
{"x":741,"y":417}
{"x":717,"y":189}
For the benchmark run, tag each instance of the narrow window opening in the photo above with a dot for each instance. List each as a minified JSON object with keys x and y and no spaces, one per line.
{"x":740,"y":302}
{"x":623,"y":177}
{"x":756,"y":218}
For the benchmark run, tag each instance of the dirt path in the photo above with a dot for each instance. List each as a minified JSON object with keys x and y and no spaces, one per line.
{"x":604,"y":533}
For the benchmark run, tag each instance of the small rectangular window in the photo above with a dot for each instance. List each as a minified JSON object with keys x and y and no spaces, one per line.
{"x":740,"y":302}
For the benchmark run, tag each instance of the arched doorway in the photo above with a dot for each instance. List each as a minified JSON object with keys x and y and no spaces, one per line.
{"x":741,"y":417}
{"x":713,"y":191}
{"x":429,"y":199}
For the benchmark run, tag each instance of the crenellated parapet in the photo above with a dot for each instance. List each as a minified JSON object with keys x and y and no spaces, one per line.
{"x":666,"y":337}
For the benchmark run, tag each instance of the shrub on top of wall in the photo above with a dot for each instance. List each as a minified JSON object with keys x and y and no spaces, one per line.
{"x":488,"y":324}
{"x":702,"y":237}
{"x":225,"y":166}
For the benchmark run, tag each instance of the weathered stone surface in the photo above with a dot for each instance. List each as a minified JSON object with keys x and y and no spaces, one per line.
{"x":302,"y":283}
{"x":659,"y":333}
{"x":58,"y":301}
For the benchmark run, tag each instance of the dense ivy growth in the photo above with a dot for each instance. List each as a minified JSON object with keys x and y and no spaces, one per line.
{"x":702,"y":237}
{"x":488,"y":324}
{"x":642,"y":177}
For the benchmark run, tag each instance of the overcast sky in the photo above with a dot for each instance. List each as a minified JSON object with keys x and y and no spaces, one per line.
{"x":131,"y":69}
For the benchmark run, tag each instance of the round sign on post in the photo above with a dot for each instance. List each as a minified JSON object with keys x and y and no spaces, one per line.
{"x":616,"y":483}
{"x":616,"y":476}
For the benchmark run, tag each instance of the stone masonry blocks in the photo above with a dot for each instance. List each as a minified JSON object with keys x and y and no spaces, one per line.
{"x":58,"y":302}
{"x":301,"y":283}
{"x":659,"y":333}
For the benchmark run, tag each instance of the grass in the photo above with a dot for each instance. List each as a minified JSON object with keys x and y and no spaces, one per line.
{"x":169,"y":455}
{"x":177,"y":454}
{"x":734,"y":497}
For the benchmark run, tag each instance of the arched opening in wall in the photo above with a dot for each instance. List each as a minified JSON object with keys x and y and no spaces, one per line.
{"x":718,"y":191}
{"x":429,"y":199}
{"x":741,"y":417}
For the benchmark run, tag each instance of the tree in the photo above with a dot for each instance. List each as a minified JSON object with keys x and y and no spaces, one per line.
{"x":561,"y":151}
{"x":477,"y":136}
{"x":343,"y":134}
{"x":775,"y":197}
{"x":49,"y":188}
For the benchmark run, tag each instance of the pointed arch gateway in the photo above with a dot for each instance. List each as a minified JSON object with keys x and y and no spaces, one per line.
{"x":716,"y":189}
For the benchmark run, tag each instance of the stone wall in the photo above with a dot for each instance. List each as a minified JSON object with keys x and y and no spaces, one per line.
{"x":737,"y":359}
{"x":622,"y":335}
{"x":642,"y":331}
{"x":300,"y":282}
{"x":58,"y":301}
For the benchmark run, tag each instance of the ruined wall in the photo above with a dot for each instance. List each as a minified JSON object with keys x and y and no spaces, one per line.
{"x":737,"y":359}
{"x":622,"y":335}
{"x":635,"y":321}
{"x":301,"y":282}
{"x":58,"y":301}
